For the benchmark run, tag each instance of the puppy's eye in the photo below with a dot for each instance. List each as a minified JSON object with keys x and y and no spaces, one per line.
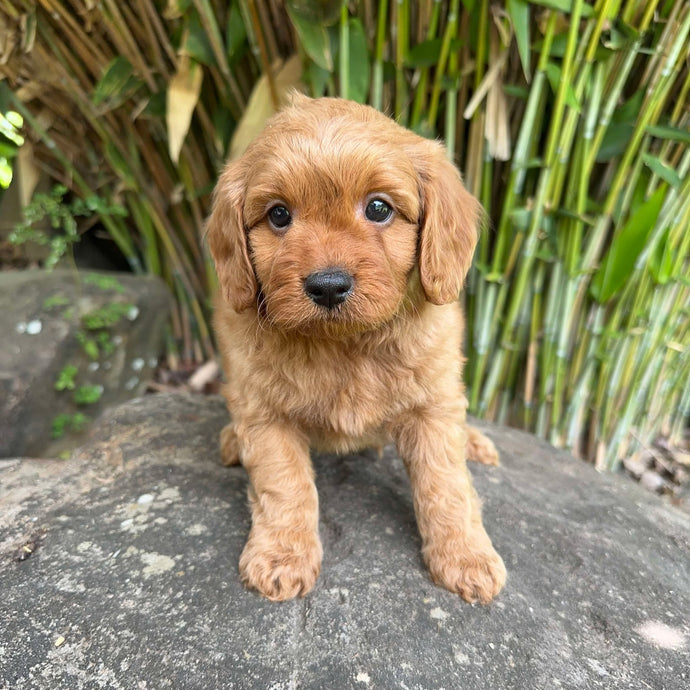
{"x":378,"y":211}
{"x":279,"y":217}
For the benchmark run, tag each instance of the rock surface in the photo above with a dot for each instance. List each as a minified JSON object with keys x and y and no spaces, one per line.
{"x":107,"y":327}
{"x":118,"y":569}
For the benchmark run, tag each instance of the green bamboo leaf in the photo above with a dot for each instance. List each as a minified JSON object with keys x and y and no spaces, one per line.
{"x":119,"y":165}
{"x":661,"y":260}
{"x":615,"y":141}
{"x":4,"y":97}
{"x":669,"y":132}
{"x":564,"y":6}
{"x":155,"y":108}
{"x":8,"y":150}
{"x":553,"y":72}
{"x":519,"y":15}
{"x":359,"y":62}
{"x":424,"y":54}
{"x":316,"y":78}
{"x":516,"y":91}
{"x":235,"y":34}
{"x":314,"y":39}
{"x":117,"y":83}
{"x":316,"y":11}
{"x":620,"y":131}
{"x":196,"y":43}
{"x":626,"y":246}
{"x":559,"y":43}
{"x":659,"y":168}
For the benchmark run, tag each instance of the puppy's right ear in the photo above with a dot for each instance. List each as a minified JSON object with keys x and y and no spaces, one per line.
{"x":227,"y":240}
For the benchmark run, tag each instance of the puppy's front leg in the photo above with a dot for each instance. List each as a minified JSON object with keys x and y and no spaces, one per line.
{"x":456,"y":547}
{"x":282,"y":557}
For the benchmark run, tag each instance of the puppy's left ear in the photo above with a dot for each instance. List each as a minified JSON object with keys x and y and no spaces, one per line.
{"x":449,"y":227}
{"x":227,"y":239}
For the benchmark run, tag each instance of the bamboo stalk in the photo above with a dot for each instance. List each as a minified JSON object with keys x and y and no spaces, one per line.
{"x":377,"y":74}
{"x":402,"y":29}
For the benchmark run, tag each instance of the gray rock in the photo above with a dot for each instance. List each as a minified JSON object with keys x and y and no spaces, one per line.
{"x":44,"y":321}
{"x":132,"y":578}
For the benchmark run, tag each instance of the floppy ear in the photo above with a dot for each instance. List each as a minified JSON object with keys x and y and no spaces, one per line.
{"x":449,"y":227}
{"x":227,"y":240}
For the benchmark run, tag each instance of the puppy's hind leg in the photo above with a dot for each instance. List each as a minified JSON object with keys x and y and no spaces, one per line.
{"x":480,"y":448}
{"x":229,"y":446}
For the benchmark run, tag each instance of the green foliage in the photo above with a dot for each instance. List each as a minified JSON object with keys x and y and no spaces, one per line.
{"x":107,"y":315}
{"x":65,"y":378}
{"x":96,"y":342}
{"x":568,"y":119}
{"x":117,"y":84}
{"x":61,"y":216}
{"x":87,"y":395}
{"x":55,"y":301}
{"x":64,"y":423}
{"x":88,"y":344}
{"x":619,"y":261}
{"x":315,"y":40}
{"x":103,"y":282}
{"x":10,"y":142}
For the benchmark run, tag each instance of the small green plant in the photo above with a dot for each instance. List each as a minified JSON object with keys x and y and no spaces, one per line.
{"x":105,"y":343}
{"x":106,"y":316}
{"x":65,"y":379}
{"x":96,"y":341}
{"x":68,"y":422}
{"x":103,"y":282}
{"x":55,"y":301}
{"x":88,"y":395}
{"x":62,"y":217}
{"x":88,"y":344}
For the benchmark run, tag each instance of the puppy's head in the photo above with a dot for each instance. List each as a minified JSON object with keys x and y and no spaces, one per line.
{"x":322,"y":221}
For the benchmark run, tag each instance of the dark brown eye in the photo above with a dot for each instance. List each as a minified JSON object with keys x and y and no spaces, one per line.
{"x":378,"y":211}
{"x":279,"y":217}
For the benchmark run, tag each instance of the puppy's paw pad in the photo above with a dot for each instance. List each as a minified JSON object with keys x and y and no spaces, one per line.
{"x":229,"y":446}
{"x":476,"y":577}
{"x":279,"y":574}
{"x":481,"y":449}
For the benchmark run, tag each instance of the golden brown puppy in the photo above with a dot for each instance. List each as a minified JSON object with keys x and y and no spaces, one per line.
{"x":341,"y":242}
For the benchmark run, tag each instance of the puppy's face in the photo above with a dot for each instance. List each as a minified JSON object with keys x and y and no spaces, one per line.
{"x":321,"y":222}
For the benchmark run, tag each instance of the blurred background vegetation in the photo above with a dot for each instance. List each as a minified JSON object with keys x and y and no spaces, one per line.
{"x":569,"y":120}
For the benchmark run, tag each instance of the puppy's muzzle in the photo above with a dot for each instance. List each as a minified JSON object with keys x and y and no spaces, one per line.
{"x":329,"y":288}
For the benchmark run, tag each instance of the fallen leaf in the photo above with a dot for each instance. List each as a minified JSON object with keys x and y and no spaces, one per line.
{"x":205,"y":374}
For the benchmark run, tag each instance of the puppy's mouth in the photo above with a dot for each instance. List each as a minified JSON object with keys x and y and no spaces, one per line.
{"x":331,"y":303}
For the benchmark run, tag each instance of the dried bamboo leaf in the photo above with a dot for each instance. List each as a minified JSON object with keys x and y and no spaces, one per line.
{"x":182,"y":98}
{"x":8,"y":40}
{"x":260,"y":105}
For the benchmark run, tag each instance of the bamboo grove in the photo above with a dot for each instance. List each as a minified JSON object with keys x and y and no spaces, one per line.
{"x":569,"y":120}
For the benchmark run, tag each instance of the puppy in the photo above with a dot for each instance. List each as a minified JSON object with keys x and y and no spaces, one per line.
{"x":341,"y":242}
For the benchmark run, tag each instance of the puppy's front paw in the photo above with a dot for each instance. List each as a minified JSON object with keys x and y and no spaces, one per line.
{"x":282,"y":566}
{"x":480,"y":448}
{"x":229,"y":446}
{"x":475,"y":576}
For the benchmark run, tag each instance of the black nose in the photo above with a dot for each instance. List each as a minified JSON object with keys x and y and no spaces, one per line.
{"x":328,"y":288}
